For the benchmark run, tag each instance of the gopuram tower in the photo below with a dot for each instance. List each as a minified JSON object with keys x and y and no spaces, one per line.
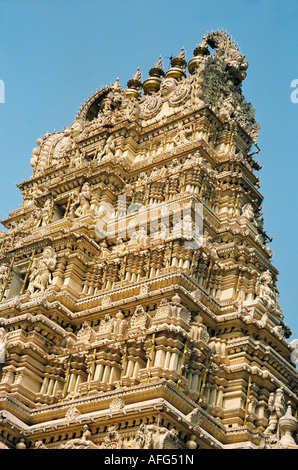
{"x":138,"y":302}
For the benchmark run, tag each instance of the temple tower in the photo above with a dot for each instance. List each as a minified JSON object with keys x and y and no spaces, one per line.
{"x":138,"y":301}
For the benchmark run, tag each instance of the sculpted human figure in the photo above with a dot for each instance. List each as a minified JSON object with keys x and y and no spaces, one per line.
{"x":277,"y":407}
{"x":120,"y":246}
{"x":110,"y":149}
{"x":75,"y":202}
{"x":143,"y":438}
{"x":111,"y":106}
{"x":101,"y":149}
{"x":83,"y":200}
{"x":167,"y":86}
{"x":62,"y":145}
{"x":40,"y":275}
{"x":131,"y":108}
{"x":35,"y":153}
{"x":112,"y":440}
{"x":266,"y":290}
{"x":3,"y":276}
{"x":76,"y":129}
{"x":182,"y":134}
{"x":139,"y":238}
{"x":2,"y":345}
{"x":227,"y":108}
{"x":247,"y":212}
{"x":46,"y":212}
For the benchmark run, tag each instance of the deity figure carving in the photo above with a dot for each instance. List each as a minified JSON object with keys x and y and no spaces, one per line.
{"x":227,"y":108}
{"x":248,"y":213}
{"x":35,"y":153}
{"x":112,"y":440}
{"x":62,"y":145}
{"x":267,"y":291}
{"x":155,"y":437}
{"x":109,"y":149}
{"x":184,"y":228}
{"x":143,"y":438}
{"x":168,"y":440}
{"x":81,"y":443}
{"x":46,"y":212}
{"x":74,"y":203}
{"x":139,"y":238}
{"x":167,"y":86}
{"x":4,"y":269}
{"x":106,"y":301}
{"x":277,"y":407}
{"x":76,"y":160}
{"x":112,"y":107}
{"x":161,"y":233}
{"x":182,"y":135}
{"x":132,"y":109}
{"x":40,"y":274}
{"x":67,"y":140}
{"x":142,"y":178}
{"x":76,"y":129}
{"x":100,"y":149}
{"x":2,"y":345}
{"x":81,"y":202}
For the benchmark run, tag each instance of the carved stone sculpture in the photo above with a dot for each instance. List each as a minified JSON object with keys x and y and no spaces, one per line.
{"x":138,"y":296}
{"x":276,"y":406}
{"x":85,"y":334}
{"x":4,"y":269}
{"x":83,"y":201}
{"x":2,"y":345}
{"x":140,"y":319}
{"x":40,"y":274}
{"x":112,"y":440}
{"x":267,"y":292}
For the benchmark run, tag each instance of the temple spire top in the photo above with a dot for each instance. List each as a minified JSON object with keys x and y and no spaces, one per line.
{"x":134,"y":84}
{"x":177,"y":66}
{"x":152,"y":83}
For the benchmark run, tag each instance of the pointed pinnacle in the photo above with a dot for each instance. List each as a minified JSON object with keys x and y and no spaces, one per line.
{"x":137,"y":75}
{"x":158,"y":64}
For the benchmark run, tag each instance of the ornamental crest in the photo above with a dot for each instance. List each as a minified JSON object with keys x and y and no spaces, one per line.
{"x":140,"y":318}
{"x":85,"y":333}
{"x":150,"y":106}
{"x":106,"y":324}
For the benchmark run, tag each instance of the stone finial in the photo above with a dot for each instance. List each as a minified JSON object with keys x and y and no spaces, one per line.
{"x":152,"y":83}
{"x":288,"y":425}
{"x":180,"y":59}
{"x":158,"y":64}
{"x":134,"y":85}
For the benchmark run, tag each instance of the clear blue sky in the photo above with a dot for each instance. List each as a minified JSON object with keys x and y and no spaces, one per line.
{"x":55,"y":53}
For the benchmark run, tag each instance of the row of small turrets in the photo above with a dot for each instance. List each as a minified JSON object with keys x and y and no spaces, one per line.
{"x":176,"y":70}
